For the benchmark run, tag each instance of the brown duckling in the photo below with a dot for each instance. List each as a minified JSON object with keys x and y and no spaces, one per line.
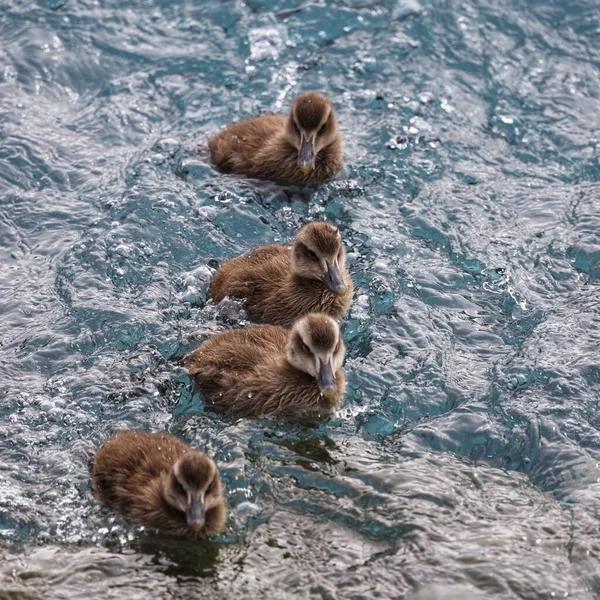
{"x":267,"y":369}
{"x":304,"y":147}
{"x":156,"y":480}
{"x":281,"y":284}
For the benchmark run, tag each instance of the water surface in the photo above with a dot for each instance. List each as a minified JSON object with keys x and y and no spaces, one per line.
{"x":466,"y":456}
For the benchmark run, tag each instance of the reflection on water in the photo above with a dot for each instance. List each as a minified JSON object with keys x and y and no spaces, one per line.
{"x":465,"y":460}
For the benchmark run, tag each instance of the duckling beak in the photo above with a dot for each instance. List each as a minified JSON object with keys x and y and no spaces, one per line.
{"x":326,"y":380}
{"x":195,"y":515}
{"x":334,"y":280}
{"x":306,"y":155}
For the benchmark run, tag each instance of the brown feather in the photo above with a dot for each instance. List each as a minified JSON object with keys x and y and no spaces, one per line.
{"x":129,"y":474}
{"x":309,"y":110}
{"x":273,"y":293}
{"x":263,"y":147}
{"x":245,"y":372}
{"x":322,"y":337}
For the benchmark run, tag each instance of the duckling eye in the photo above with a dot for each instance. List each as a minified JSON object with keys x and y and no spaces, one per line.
{"x":179,"y":488}
{"x":323,"y":128}
{"x":311,"y":255}
{"x":211,"y":486}
{"x":304,"y":348}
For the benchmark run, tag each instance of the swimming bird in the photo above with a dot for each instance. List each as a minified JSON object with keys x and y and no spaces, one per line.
{"x":269,"y":370}
{"x":304,"y":147}
{"x":280,"y":284}
{"x":154,"y":479}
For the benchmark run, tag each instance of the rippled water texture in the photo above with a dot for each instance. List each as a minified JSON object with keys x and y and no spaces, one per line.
{"x":465,"y":460}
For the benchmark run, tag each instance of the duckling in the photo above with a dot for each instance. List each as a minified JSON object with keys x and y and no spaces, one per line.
{"x":281,"y":284}
{"x":269,"y":370}
{"x":156,"y":480}
{"x":304,"y":147}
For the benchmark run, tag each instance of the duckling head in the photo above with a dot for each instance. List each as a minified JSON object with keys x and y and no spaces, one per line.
{"x":311,"y":127}
{"x":193,"y":487}
{"x":318,"y":253}
{"x":316,"y":347}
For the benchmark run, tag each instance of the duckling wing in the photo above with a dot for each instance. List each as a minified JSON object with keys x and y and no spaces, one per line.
{"x":129,"y":461}
{"x":228,"y":360}
{"x":252,"y":277}
{"x":234,"y":149}
{"x":271,"y":390}
{"x":248,"y":396}
{"x":231,"y":355}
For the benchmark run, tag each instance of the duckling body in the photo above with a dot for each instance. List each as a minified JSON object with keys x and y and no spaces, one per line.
{"x":281,"y":284}
{"x":304,"y":147}
{"x":269,"y":370}
{"x":156,"y":480}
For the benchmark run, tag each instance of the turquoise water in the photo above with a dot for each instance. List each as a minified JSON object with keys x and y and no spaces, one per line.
{"x":466,"y":456}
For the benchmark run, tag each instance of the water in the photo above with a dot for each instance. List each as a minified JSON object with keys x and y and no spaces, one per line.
{"x":465,"y":460}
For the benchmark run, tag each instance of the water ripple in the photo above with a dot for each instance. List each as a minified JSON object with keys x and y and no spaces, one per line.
{"x":465,"y":460}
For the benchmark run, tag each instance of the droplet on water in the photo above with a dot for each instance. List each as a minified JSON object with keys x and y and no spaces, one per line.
{"x":123,"y":250}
